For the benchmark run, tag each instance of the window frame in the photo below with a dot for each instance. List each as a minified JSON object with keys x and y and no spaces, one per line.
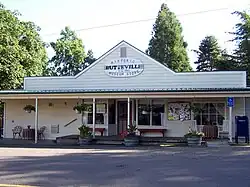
{"x":210,"y":114}
{"x":151,"y":103}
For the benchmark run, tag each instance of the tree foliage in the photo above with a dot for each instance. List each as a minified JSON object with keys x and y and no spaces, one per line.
{"x":70,"y":57}
{"x":240,"y":58}
{"x":209,"y":54}
{"x":22,"y":52}
{"x":167,"y":44}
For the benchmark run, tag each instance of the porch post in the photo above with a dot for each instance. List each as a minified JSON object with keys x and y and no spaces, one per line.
{"x":36,"y":119}
{"x":136,"y":112}
{"x":93,"y":130}
{"x":128,"y":122}
{"x":230,"y":133}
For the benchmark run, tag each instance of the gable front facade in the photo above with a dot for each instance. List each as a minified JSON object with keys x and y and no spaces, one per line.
{"x":119,"y":85}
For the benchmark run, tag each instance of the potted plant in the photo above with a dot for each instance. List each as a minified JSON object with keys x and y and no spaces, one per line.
{"x":193,"y":137}
{"x":79,"y":108}
{"x":29,"y":108}
{"x":131,"y":139}
{"x":85,"y":137}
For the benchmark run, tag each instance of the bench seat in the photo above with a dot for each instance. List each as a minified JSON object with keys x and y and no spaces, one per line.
{"x":162,"y":131}
{"x":101,"y":130}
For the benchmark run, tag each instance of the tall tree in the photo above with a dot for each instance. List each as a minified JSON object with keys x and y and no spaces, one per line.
{"x":209,"y":54}
{"x":240,"y":59}
{"x":167,"y":44}
{"x":22,"y":52}
{"x":70,"y":57}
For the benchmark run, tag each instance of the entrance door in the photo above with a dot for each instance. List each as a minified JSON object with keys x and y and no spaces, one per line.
{"x":123,"y":116}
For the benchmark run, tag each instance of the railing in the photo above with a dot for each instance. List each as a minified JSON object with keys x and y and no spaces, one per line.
{"x":194,"y":125}
{"x":70,"y":122}
{"x":225,"y":126}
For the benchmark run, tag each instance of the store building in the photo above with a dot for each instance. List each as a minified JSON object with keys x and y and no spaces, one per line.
{"x":120,"y":86}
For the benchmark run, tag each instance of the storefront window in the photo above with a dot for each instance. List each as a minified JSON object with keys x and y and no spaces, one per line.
{"x":209,"y":113}
{"x":150,"y":112}
{"x":111,"y":113}
{"x":99,"y":115}
{"x":157,"y":114}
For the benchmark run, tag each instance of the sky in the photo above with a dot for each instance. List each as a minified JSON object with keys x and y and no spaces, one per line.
{"x":80,"y":15}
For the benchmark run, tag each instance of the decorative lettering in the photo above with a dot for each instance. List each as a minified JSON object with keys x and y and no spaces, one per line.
{"x":124,"y":67}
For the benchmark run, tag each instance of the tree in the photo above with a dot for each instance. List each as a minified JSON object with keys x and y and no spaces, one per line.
{"x":22,"y":52}
{"x":70,"y":57}
{"x":209,"y":54}
{"x":167,"y":44}
{"x":241,"y":55}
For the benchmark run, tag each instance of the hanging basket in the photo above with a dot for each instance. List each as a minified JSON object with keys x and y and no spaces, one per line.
{"x":29,"y":108}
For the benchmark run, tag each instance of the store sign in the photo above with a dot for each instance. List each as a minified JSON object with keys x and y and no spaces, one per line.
{"x":124,"y":67}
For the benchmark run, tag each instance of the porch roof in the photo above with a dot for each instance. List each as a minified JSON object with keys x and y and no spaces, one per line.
{"x":170,"y":90}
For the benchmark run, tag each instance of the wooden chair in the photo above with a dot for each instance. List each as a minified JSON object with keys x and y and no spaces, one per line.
{"x":17,"y":130}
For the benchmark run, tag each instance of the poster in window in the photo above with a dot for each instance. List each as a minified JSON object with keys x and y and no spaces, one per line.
{"x":179,"y":111}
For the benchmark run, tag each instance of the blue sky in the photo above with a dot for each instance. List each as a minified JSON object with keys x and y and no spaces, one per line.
{"x":54,"y":15}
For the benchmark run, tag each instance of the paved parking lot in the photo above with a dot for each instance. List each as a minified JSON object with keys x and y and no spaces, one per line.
{"x":113,"y":166}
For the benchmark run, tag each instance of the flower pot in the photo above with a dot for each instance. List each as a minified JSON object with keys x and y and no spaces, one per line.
{"x":194,"y":140}
{"x":131,"y":140}
{"x":85,"y":140}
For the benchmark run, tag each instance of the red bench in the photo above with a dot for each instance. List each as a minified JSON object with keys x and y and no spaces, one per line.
{"x":101,"y":130}
{"x":162,"y":131}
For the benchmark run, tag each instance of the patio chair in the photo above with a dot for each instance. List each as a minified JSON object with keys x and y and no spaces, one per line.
{"x":40,"y":133}
{"x":17,"y":130}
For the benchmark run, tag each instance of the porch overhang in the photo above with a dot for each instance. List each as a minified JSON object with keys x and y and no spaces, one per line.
{"x":124,"y":93}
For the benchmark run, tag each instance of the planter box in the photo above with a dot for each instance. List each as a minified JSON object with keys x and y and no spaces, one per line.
{"x":130,"y":141}
{"x":85,"y":141}
{"x":194,"y":141}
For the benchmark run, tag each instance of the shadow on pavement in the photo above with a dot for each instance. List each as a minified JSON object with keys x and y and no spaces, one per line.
{"x":126,"y":167}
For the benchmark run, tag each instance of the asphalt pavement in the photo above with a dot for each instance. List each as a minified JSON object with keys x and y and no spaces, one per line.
{"x":121,"y":167}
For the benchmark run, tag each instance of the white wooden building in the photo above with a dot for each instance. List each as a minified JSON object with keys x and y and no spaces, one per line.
{"x":118,"y":85}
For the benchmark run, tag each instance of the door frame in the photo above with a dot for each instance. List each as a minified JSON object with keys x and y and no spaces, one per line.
{"x":126,"y":113}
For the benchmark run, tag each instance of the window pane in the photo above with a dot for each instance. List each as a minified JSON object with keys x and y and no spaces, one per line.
{"x":212,"y":108}
{"x":157,"y":112}
{"x":213,"y":119}
{"x":99,"y":117}
{"x":143,"y":115}
{"x":197,"y":117}
{"x":205,"y":108}
{"x":111,"y":112}
{"x":90,"y":118}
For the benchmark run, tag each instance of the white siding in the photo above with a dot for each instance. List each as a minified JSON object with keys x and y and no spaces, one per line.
{"x":154,"y":76}
{"x":58,"y":114}
{"x":61,"y":113}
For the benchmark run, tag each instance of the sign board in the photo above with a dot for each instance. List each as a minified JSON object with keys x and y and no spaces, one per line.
{"x":230,"y":101}
{"x":124,"y":67}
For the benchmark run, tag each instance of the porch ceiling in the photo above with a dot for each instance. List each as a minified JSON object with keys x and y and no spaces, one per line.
{"x":123,"y":93}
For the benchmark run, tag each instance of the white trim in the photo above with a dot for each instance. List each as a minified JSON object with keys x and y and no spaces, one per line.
{"x":150,"y":114}
{"x":36,"y":119}
{"x":4,"y":121}
{"x":128,"y":122}
{"x":107,"y":117}
{"x":244,"y":104}
{"x":136,"y":110}
{"x":116,"y":116}
{"x":133,"y":110}
{"x":93,"y":111}
{"x":134,"y":95}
